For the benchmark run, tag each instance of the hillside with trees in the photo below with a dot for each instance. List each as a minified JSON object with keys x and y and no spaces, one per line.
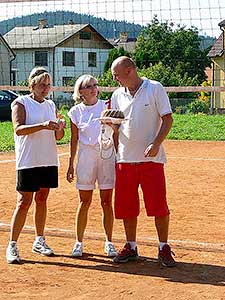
{"x":109,"y":29}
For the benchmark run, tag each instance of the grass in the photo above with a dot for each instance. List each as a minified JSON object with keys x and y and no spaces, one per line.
{"x":185,"y":127}
{"x":198,"y":127}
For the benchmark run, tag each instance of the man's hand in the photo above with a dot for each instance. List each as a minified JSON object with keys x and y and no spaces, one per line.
{"x":151,"y":150}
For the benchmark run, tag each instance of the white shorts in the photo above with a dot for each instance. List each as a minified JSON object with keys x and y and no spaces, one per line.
{"x":91,"y":168}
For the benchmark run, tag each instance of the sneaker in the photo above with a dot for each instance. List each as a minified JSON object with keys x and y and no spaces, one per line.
{"x":41,"y":247}
{"x":165,"y":256}
{"x":77,"y":250}
{"x":126,"y":254}
{"x":110,"y":249}
{"x":12,"y":253}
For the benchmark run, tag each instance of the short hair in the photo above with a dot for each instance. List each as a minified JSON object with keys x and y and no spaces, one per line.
{"x":81,"y":82}
{"x":125,"y":61}
{"x":37,"y":75}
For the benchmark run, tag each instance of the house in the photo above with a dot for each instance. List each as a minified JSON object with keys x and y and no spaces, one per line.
{"x":217,"y":55}
{"x":128,"y":43}
{"x":67,"y":51}
{"x":6,"y":58}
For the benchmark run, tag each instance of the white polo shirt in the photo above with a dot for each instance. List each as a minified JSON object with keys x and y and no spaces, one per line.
{"x":143,"y":113}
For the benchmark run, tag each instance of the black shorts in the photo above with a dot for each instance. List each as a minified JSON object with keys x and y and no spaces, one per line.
{"x":31,"y":180}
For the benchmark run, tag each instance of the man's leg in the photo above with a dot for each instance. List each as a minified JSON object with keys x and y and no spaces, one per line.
{"x":130,"y":226}
{"x":162,"y":226}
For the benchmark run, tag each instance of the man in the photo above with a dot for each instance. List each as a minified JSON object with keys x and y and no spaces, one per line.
{"x":140,"y":156}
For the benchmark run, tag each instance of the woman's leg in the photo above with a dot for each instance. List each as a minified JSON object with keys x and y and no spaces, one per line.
{"x":24,"y":200}
{"x":40,"y":211}
{"x":82,"y":213}
{"x":106,"y":203}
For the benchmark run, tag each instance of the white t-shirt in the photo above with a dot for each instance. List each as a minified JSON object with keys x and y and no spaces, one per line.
{"x":37,"y":149}
{"x":143,"y":113}
{"x":86,"y":118}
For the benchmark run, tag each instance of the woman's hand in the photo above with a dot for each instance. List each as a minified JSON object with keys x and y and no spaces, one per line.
{"x":50,"y":125}
{"x":70,"y":174}
{"x":61,"y":123}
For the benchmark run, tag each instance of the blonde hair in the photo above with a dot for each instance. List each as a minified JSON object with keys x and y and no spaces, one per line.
{"x":37,"y":75}
{"x":81,"y":82}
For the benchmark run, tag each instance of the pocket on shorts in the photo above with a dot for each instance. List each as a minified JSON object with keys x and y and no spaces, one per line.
{"x":86,"y":167}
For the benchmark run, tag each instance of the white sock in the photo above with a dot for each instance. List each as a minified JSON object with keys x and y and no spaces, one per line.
{"x":132,"y":244}
{"x":38,"y":238}
{"x":108,"y":242}
{"x":79,"y":243}
{"x":161,"y":244}
{"x":12,"y":243}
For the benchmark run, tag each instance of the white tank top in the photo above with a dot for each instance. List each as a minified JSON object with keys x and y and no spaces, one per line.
{"x":86,"y":118}
{"x":37,"y":149}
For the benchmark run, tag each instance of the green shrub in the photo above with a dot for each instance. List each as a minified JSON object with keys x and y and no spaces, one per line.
{"x":199,"y":106}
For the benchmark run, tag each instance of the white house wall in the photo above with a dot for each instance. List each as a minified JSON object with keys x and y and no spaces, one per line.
{"x":25,"y":62}
{"x":81,"y":63}
{"x":5,"y":58}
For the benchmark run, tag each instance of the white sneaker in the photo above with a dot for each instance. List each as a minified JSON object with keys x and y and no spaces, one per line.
{"x":40,"y":246}
{"x":77,"y":249}
{"x":12,"y":253}
{"x":110,"y":249}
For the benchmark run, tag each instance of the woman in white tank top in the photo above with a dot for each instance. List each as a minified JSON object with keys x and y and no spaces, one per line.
{"x":36,"y":130}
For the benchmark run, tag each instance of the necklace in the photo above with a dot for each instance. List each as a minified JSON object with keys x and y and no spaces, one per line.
{"x":133,"y":92}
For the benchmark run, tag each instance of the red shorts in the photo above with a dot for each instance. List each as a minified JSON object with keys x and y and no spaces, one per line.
{"x":150,"y":176}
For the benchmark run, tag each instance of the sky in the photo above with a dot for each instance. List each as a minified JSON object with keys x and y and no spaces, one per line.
{"x":204,"y":14}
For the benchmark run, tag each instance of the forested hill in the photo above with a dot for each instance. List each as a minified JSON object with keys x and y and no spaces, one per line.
{"x":109,"y":29}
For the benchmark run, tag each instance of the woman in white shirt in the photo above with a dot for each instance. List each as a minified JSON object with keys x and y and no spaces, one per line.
{"x":91,"y":165}
{"x":36,"y":130}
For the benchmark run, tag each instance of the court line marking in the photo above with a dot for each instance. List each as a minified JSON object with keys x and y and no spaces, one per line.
{"x":169,"y":157}
{"x":152,"y":241}
{"x":196,"y":158}
{"x":13,"y":160}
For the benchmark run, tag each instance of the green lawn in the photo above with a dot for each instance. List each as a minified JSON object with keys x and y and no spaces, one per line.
{"x":185,"y":127}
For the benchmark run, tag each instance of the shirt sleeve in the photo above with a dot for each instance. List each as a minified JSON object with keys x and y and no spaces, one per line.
{"x":72,"y":115}
{"x":162,"y":100}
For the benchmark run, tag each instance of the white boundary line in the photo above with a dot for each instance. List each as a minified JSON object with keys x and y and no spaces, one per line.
{"x":195,"y":158}
{"x":67,"y":233}
{"x":13,"y":160}
{"x":169,"y":157}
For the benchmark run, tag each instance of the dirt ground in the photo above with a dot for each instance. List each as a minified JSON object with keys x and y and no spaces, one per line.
{"x":195,"y":183}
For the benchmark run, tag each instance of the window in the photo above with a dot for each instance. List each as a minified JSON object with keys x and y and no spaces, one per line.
{"x":91,"y":59}
{"x":85,"y":35}
{"x":69,"y":58}
{"x":68,"y":81}
{"x":41,"y":58}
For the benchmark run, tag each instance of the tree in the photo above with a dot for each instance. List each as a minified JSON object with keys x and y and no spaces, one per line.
{"x":113,"y":54}
{"x":179,"y":49}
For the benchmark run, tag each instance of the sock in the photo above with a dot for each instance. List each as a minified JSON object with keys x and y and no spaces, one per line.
{"x":79,"y":243}
{"x":108,"y":242}
{"x":161,"y":244}
{"x":132,"y":244}
{"x":38,"y":238}
{"x":12,"y":243}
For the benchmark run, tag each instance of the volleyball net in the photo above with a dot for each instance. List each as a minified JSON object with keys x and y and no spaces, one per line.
{"x":179,"y":43}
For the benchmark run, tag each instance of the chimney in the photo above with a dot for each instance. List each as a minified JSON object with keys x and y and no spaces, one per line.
{"x":42,"y":23}
{"x":123,"y":37}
